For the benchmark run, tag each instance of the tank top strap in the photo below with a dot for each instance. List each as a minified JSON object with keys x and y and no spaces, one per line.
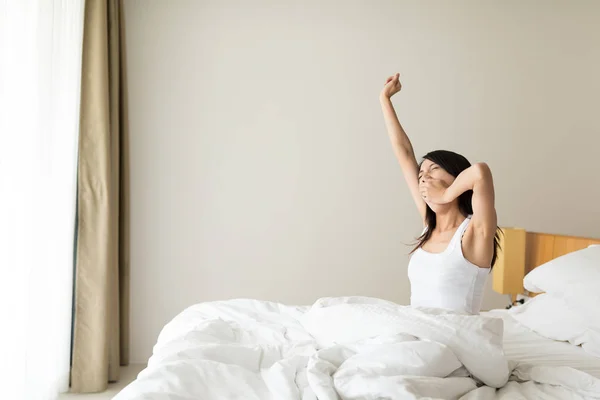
{"x":460,"y":232}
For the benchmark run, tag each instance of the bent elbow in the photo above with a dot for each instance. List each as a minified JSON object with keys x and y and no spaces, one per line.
{"x":483,"y":171}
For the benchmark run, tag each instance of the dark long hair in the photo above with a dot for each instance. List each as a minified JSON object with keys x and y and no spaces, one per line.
{"x":454,"y":164}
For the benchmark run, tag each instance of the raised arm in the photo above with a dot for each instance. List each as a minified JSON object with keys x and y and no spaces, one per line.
{"x":400,"y":142}
{"x":477,"y":178}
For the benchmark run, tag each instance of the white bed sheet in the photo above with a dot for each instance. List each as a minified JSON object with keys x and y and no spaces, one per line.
{"x":523,"y":345}
{"x":259,"y":350}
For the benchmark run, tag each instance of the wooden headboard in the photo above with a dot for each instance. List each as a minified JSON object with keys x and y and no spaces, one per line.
{"x":543,"y":247}
{"x":522,"y":251}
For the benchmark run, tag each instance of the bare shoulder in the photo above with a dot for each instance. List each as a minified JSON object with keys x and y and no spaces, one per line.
{"x":478,"y":248}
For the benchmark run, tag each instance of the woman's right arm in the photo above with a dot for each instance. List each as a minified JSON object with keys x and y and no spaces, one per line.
{"x":400,"y":142}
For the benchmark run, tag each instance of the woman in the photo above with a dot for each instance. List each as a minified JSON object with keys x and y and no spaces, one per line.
{"x":453,"y":256}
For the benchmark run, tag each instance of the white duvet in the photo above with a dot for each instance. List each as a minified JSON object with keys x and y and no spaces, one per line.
{"x":341,"y":348}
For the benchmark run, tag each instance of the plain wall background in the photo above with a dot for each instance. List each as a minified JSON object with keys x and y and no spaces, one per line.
{"x":260,"y":165}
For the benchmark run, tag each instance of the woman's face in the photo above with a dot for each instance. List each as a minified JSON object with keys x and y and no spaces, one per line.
{"x":432,"y":171}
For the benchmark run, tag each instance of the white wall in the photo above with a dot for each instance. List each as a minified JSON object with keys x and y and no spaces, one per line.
{"x":260,"y":165}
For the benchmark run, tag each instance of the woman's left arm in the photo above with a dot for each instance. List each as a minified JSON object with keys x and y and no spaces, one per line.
{"x":477,"y":178}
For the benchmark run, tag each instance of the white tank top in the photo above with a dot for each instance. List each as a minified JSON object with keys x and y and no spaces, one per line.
{"x":447,"y":280}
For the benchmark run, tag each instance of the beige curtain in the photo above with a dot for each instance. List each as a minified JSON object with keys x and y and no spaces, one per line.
{"x":100,"y":328}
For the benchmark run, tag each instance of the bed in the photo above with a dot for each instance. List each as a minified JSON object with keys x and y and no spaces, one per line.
{"x":366,"y":348}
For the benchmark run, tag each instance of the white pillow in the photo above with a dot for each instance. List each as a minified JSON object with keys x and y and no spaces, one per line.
{"x":582,"y":266}
{"x":552,"y":317}
{"x":584,"y":298}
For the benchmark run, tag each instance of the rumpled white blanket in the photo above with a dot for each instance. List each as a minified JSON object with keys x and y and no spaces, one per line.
{"x":341,"y":348}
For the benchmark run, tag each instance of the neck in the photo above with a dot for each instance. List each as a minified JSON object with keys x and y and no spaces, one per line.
{"x":447,"y":219}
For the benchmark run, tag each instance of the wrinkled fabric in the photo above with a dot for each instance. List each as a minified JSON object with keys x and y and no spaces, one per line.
{"x":341,"y":348}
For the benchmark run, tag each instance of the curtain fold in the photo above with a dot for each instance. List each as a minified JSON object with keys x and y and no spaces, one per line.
{"x":99,"y":336}
{"x":123,"y":197}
